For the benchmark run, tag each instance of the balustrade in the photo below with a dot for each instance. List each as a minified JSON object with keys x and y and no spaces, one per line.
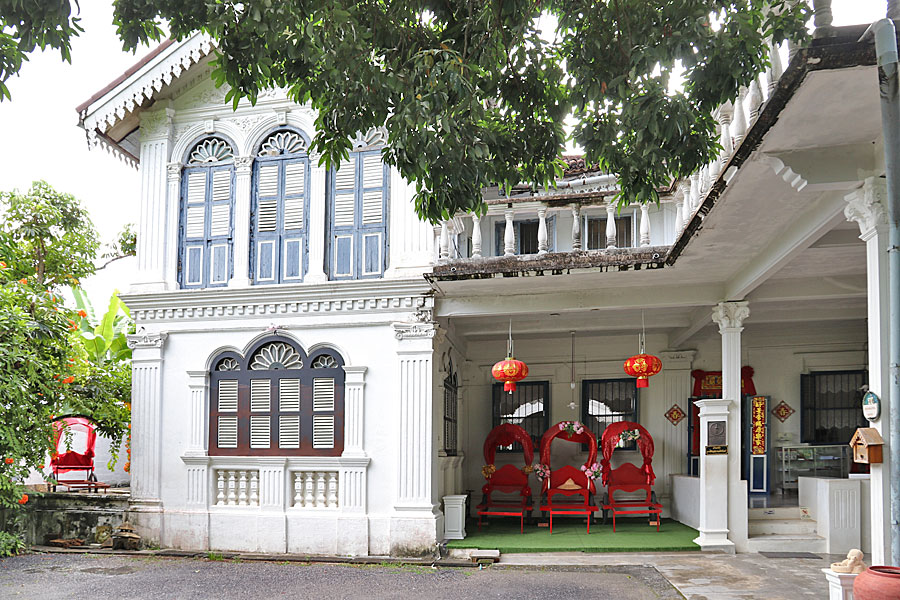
{"x":237,"y":487}
{"x":315,"y":489}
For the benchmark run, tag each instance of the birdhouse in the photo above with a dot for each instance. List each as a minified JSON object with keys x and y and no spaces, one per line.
{"x":867,"y":444}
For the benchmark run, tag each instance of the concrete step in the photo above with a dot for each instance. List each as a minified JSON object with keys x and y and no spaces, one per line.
{"x":781,"y":526}
{"x":786,"y":543}
{"x":779,"y":512}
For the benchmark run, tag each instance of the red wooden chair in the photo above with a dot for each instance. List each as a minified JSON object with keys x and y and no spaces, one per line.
{"x":74,"y":439}
{"x":508,"y":479}
{"x":568,"y":490}
{"x":628,"y":478}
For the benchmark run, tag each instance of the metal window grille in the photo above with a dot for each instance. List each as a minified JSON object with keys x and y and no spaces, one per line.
{"x":528,"y":406}
{"x":831,"y":406}
{"x":607,"y":401}
{"x":451,"y":415}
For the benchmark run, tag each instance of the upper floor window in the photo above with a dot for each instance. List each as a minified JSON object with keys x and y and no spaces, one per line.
{"x":357,"y":247}
{"x":830,"y":406}
{"x":280,"y":210}
{"x":608,"y":401}
{"x":596,"y":232}
{"x":526,"y":232}
{"x":277,"y":401}
{"x":206,"y":229}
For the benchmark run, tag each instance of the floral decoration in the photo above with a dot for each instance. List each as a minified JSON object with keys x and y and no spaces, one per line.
{"x":572,"y":427}
{"x":675,"y":415}
{"x":630,"y":435}
{"x":592,"y":471}
{"x":542,"y":471}
{"x":528,"y":469}
{"x":488,"y":470}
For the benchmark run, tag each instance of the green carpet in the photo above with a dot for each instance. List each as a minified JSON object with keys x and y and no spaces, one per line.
{"x":569,"y":535}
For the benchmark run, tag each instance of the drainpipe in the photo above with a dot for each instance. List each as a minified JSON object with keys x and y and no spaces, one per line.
{"x":886,"y":50}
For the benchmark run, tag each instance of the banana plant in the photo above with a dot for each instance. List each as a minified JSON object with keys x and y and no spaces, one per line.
{"x":103,"y":340}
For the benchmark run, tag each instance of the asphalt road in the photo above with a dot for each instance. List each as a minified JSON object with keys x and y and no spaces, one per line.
{"x":102,"y":577}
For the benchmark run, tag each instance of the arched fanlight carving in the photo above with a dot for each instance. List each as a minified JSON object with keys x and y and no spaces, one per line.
{"x":283,"y":142}
{"x":228,"y":364}
{"x":210,"y":151}
{"x":377,"y":136}
{"x":325,"y":361}
{"x":276,"y":356}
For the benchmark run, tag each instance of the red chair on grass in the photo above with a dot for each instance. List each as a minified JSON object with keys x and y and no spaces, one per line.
{"x":74,"y":439}
{"x":508,"y":479}
{"x":568,"y":490}
{"x":628,"y":478}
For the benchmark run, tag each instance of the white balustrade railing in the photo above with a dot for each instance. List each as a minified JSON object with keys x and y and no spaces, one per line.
{"x":237,"y":487}
{"x":315,"y":489}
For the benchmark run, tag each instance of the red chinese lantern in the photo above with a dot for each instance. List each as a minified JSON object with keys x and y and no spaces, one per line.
{"x":643,"y":366}
{"x":509,"y":371}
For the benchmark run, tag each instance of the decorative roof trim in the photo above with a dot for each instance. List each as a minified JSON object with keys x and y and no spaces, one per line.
{"x":142,"y":82}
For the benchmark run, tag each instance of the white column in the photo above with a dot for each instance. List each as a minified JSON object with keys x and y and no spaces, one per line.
{"x":354,"y":411}
{"x":679,"y":214}
{"x":714,"y":497}
{"x":610,"y":225}
{"x":445,"y":240}
{"x":476,"y":236}
{"x":705,"y":179}
{"x":543,"y":244}
{"x":739,"y":126}
{"x":754,"y":97}
{"x":154,"y":218}
{"x":198,"y":384}
{"x":723,"y":116}
{"x":866,"y":207}
{"x":146,"y":415}
{"x":243,"y":167}
{"x":318,"y":219}
{"x":645,"y":225}
{"x":695,"y":192}
{"x":773,"y":74}
{"x":577,"y":243}
{"x":272,"y":493}
{"x":173,"y":206}
{"x":436,"y":229}
{"x":822,"y":18}
{"x":685,"y":189}
{"x":729,"y":316}
{"x":509,"y":234}
{"x":840,"y":585}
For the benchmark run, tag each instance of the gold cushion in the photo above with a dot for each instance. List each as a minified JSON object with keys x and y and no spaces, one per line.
{"x":569,"y":485}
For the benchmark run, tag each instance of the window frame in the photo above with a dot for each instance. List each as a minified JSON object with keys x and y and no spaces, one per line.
{"x":497,"y":394}
{"x":587,"y":419}
{"x":500,"y":233}
{"x":451,"y":415}
{"x":852,"y":405}
{"x":306,"y":374}
{"x":281,"y":236}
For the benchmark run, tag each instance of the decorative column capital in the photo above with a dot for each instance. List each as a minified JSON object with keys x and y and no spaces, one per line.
{"x":729,"y":316}
{"x":242,"y":164}
{"x":173,"y":171}
{"x":355,"y":375}
{"x":865,"y":206}
{"x":407,"y":331}
{"x":147,"y":341}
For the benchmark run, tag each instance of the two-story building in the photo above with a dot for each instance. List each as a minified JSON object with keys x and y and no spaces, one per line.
{"x":312,"y":362}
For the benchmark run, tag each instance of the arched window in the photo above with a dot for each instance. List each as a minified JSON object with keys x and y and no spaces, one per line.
{"x":279,"y":216}
{"x":357,"y":246}
{"x":277,"y":401}
{"x":206,"y":215}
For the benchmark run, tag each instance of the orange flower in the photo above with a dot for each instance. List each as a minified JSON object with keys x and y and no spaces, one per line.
{"x":68,"y":379}
{"x":23,"y":281}
{"x":40,"y":466}
{"x":23,"y":499}
{"x":8,"y":461}
{"x":82,"y":314}
{"x":2,"y":265}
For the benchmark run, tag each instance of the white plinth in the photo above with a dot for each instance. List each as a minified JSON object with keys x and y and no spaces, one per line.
{"x":455,"y":517}
{"x":840,"y":585}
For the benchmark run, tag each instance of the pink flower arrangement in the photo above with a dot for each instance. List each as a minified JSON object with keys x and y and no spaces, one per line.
{"x":572,"y":427}
{"x":592,"y":472}
{"x":542,"y":471}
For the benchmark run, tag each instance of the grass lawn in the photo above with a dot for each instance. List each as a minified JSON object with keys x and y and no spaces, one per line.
{"x":569,"y":535}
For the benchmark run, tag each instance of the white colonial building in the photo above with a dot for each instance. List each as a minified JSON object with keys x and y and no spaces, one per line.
{"x":312,"y":362}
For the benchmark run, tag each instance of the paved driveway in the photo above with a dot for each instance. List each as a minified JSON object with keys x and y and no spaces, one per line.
{"x":102,"y":577}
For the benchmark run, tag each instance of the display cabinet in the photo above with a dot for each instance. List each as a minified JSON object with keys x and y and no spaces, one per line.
{"x":810,"y":461}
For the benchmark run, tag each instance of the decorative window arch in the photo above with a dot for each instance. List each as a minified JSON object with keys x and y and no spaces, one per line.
{"x":357,"y":209}
{"x":207,"y":213}
{"x":279,"y":218}
{"x":277,"y":401}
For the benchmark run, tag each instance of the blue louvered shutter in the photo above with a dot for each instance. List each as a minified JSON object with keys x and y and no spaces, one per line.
{"x":279,"y":220}
{"x":358,"y":244}
{"x":206,"y":226}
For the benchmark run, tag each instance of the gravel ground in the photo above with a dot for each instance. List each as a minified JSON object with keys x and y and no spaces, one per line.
{"x":101,"y":577}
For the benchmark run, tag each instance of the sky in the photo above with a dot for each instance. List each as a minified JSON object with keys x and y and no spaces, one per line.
{"x":42,"y":140}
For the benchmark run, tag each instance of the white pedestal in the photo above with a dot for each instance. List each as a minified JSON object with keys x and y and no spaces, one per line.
{"x":840,"y":585}
{"x":455,"y":517}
